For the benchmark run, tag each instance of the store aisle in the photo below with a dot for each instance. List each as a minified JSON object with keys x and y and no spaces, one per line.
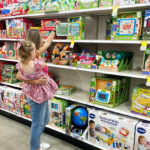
{"x":16,"y":136}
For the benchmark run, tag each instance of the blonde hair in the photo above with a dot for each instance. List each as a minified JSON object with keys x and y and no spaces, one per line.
{"x":25,"y":50}
{"x":139,"y":138}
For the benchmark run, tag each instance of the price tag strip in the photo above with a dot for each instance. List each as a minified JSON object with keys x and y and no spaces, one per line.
{"x":72,"y":44}
{"x":143,"y":45}
{"x":115,"y":11}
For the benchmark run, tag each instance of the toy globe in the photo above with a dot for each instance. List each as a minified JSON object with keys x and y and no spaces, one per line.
{"x":80,"y":117}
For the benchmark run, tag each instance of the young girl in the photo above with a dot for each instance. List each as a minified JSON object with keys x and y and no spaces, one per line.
{"x":30,"y":68}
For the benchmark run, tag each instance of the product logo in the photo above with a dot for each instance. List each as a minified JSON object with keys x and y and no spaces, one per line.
{"x":92,"y":116}
{"x":141,"y":130}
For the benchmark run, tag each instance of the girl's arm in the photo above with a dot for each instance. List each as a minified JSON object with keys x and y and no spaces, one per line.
{"x":40,"y":81}
{"x":48,"y":40}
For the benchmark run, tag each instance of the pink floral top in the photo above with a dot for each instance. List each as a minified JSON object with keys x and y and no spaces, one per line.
{"x":38,"y":93}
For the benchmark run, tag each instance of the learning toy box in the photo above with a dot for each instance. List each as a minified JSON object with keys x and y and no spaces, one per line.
{"x":113,"y":61}
{"x":123,"y":2}
{"x":85,"y":4}
{"x":57,"y":112}
{"x":48,"y":24}
{"x":52,"y":5}
{"x":146,"y":26}
{"x":108,"y":91}
{"x":110,"y":131}
{"x":141,"y":100}
{"x":2,"y":102}
{"x":142,"y":1}
{"x":76,"y":28}
{"x":16,"y":28}
{"x":65,"y":90}
{"x":62,"y":29}
{"x":105,"y":3}
{"x":146,"y":65}
{"x":142,"y":139}
{"x":127,"y":26}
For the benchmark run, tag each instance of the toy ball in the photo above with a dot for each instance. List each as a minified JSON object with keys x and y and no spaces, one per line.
{"x":80,"y":117}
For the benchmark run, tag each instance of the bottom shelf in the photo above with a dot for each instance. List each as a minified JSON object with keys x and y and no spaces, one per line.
{"x":52,"y":128}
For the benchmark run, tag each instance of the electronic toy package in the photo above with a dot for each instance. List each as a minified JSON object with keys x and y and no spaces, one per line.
{"x":123,"y":2}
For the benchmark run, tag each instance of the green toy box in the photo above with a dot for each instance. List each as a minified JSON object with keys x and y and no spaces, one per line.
{"x":141,"y":100}
{"x":57,"y":112}
{"x":86,"y":4}
{"x":113,"y":61}
{"x":105,"y":3}
{"x":65,"y":90}
{"x":9,"y":73}
{"x":76,"y":28}
{"x":67,"y":5}
{"x":127,"y":26}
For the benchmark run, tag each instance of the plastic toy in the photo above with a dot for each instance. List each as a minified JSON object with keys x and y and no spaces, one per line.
{"x":113,"y":61}
{"x":57,"y":112}
{"x":16,"y":28}
{"x":111,"y":131}
{"x":105,"y":3}
{"x":146,"y":26}
{"x":141,"y":100}
{"x":65,"y":90}
{"x":76,"y":28}
{"x":109,"y":91}
{"x":82,"y":4}
{"x":76,"y":121}
{"x":60,"y":54}
{"x":146,"y":66}
{"x":123,"y":2}
{"x":142,"y":140}
{"x":62,"y":29}
{"x":48,"y":24}
{"x":127,"y":26}
{"x":9,"y":73}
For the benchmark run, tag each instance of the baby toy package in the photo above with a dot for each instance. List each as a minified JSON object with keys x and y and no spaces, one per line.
{"x":110,"y":131}
{"x":142,"y":138}
{"x":123,"y":2}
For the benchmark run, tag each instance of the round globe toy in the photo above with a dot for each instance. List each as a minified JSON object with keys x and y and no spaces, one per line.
{"x":80,"y":117}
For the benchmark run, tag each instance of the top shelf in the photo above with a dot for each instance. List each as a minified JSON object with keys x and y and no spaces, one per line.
{"x":94,"y":11}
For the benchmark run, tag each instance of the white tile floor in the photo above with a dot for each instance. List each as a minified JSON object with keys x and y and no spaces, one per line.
{"x":16,"y":136}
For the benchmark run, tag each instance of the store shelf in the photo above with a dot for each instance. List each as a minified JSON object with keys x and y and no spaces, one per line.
{"x":94,"y":11}
{"x":11,"y":60}
{"x":13,"y":40}
{"x":15,"y":85}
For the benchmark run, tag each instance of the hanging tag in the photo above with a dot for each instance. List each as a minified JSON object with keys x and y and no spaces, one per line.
{"x":72,"y":44}
{"x":115,"y":11}
{"x":143,"y":45}
{"x":148,"y":81}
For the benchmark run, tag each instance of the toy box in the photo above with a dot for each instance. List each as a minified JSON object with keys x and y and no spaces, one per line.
{"x":76,"y":121}
{"x":105,"y":3}
{"x":52,"y":5}
{"x":45,"y":34}
{"x":62,"y":29}
{"x":3,"y":51}
{"x":110,"y":131}
{"x":16,"y":28}
{"x":65,"y":90}
{"x":127,"y":26}
{"x":9,"y":73}
{"x":123,"y":2}
{"x":48,"y":24}
{"x":2,"y":103}
{"x":142,"y":140}
{"x":108,"y":29}
{"x":113,"y":61}
{"x":141,"y":100}
{"x":109,"y":91}
{"x":76,"y":28}
{"x":146,"y":26}
{"x":146,"y":65}
{"x":57,"y":112}
{"x":142,"y":1}
{"x":86,"y":4}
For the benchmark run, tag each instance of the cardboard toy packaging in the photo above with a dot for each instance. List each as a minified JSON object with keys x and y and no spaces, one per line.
{"x":142,"y":138}
{"x":105,"y":3}
{"x":123,"y":2}
{"x":110,"y":131}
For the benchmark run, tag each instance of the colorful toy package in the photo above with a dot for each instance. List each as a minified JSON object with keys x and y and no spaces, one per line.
{"x":142,"y":1}
{"x":123,"y":2}
{"x":110,"y":131}
{"x":113,"y":61}
{"x":76,"y":28}
{"x":82,"y":4}
{"x":16,"y":28}
{"x":57,"y":112}
{"x":9,"y":73}
{"x":146,"y":65}
{"x":146,"y":26}
{"x":105,"y":3}
{"x":62,"y":29}
{"x":127,"y":26}
{"x":141,"y":100}
{"x":142,"y":139}
{"x":2,"y":102}
{"x":48,"y":24}
{"x":109,"y":91}
{"x":52,"y":5}
{"x":65,"y":90}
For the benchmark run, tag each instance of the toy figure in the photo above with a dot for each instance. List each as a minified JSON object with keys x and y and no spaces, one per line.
{"x":92,"y":128}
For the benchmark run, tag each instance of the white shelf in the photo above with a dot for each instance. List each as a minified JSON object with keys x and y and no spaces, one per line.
{"x":94,"y":11}
{"x":87,"y":41}
{"x":16,"y":85}
{"x":11,"y":60}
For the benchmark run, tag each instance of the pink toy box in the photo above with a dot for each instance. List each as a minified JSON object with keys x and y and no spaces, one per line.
{"x":48,"y":24}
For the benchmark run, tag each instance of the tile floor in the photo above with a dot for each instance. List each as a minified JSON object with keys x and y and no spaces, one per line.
{"x":16,"y":136}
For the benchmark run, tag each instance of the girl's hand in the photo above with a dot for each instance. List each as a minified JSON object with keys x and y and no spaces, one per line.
{"x":57,"y":22}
